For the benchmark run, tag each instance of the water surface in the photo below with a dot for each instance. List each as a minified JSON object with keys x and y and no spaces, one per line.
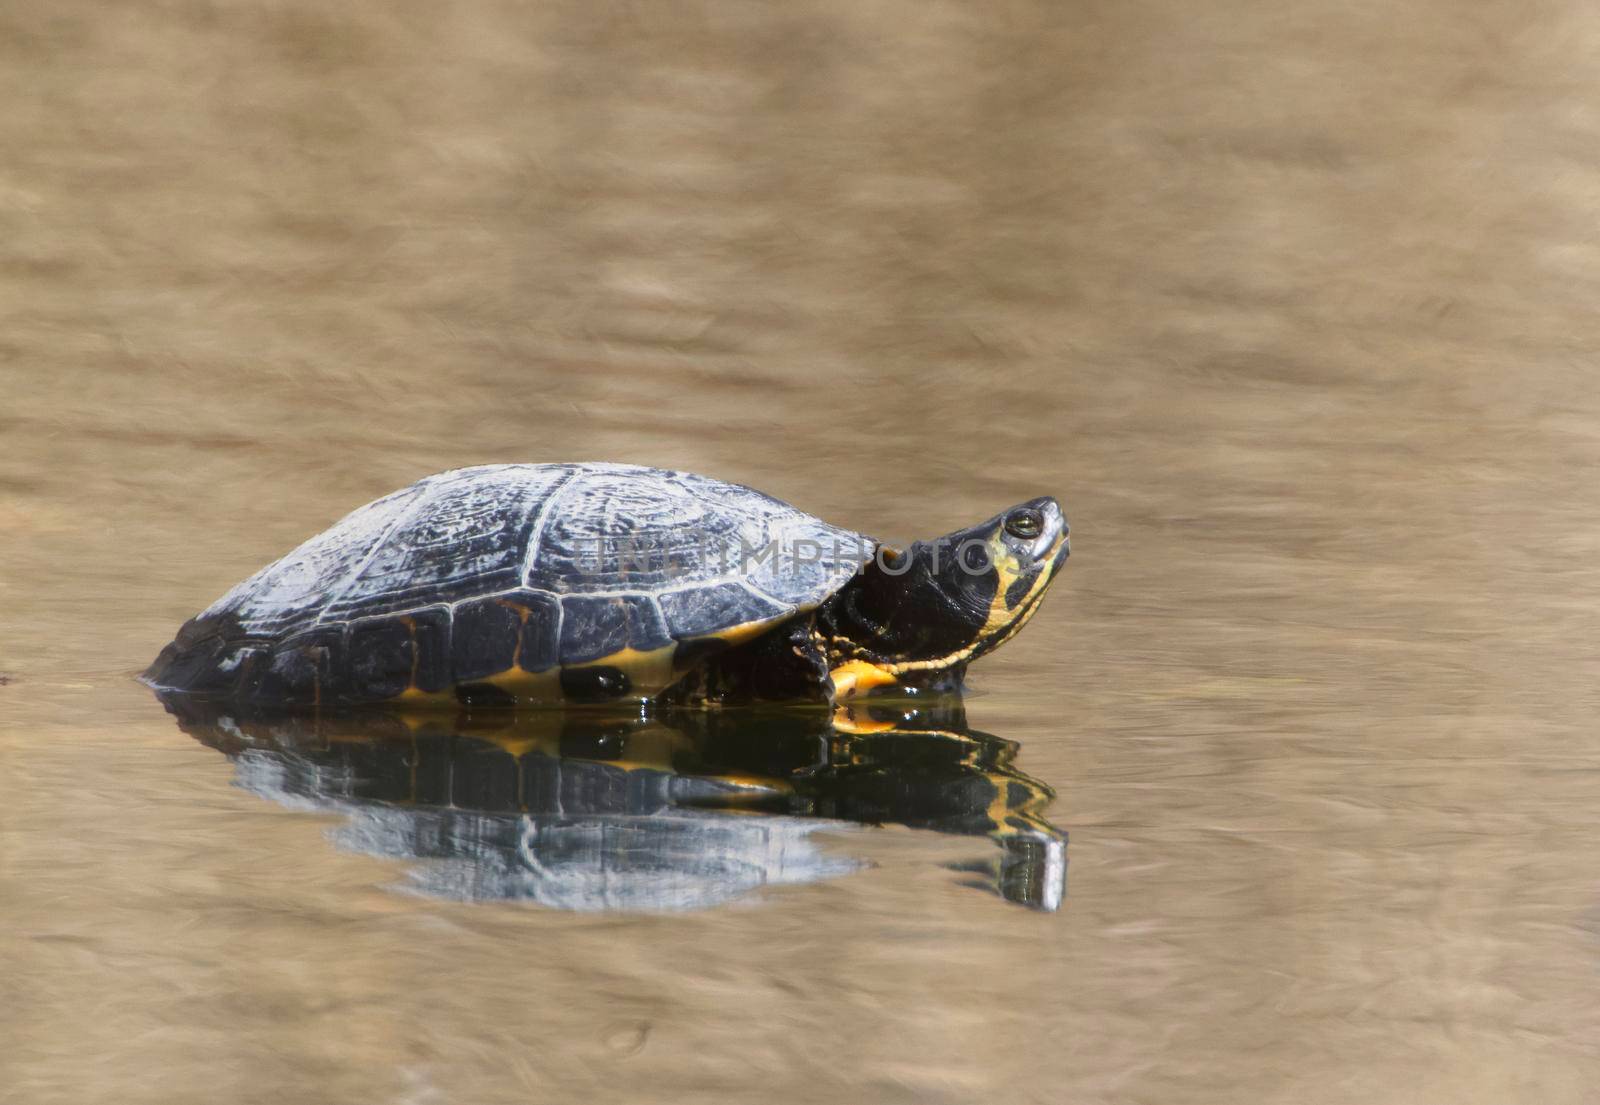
{"x":1291,"y":305}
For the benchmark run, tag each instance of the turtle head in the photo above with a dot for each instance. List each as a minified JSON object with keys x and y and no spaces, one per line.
{"x":931,"y":608}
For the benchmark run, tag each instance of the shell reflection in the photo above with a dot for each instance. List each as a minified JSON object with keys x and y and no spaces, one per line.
{"x":588,"y":811}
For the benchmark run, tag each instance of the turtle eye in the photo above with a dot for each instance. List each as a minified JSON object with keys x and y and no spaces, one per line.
{"x":1025,"y":522}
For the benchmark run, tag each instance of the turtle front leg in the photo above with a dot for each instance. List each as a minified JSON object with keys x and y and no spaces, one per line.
{"x":788,"y":664}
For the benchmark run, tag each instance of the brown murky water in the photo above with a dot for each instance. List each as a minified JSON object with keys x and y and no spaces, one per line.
{"x":1293,"y":305}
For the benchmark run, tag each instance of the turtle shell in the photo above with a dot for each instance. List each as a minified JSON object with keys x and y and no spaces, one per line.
{"x":515,"y":583}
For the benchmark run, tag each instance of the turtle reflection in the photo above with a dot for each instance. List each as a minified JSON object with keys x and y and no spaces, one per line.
{"x":587,"y":811}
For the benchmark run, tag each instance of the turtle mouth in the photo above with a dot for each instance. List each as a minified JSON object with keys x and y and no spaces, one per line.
{"x":1051,"y":556}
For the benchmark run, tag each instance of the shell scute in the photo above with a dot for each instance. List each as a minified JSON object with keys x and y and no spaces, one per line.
{"x":382,"y":654}
{"x":702,"y":611}
{"x":540,"y":628}
{"x":466,"y":534}
{"x":484,"y":638}
{"x":291,"y":592}
{"x":594,"y":627}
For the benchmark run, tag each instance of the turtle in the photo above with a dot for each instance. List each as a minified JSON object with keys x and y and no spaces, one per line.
{"x":514,"y":585}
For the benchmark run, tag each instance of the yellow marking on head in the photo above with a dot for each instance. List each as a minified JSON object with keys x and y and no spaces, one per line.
{"x":1001,"y":619}
{"x":1009,"y":569}
{"x":854,"y":676}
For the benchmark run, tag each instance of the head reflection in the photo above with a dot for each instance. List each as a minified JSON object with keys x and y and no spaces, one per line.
{"x":586,"y":811}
